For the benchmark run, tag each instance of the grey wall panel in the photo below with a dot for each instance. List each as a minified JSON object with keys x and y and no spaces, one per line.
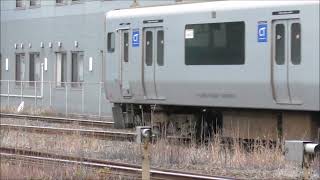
{"x":81,"y":22}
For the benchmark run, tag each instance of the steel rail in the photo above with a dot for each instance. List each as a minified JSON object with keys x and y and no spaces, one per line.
{"x":11,"y":153}
{"x":103,"y":124}
{"x":115,"y":135}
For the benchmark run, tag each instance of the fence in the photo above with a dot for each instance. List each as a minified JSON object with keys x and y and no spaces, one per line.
{"x":67,"y":98}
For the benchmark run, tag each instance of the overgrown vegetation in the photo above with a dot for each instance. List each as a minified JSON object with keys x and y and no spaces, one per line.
{"x":264,"y":161}
{"x":30,"y":111}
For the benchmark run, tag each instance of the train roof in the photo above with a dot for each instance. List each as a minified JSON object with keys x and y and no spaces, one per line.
{"x":200,"y":7}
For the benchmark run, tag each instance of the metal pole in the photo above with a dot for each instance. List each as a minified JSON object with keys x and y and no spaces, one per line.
{"x":66,"y":87}
{"x":8,"y":102}
{"x":35,"y":94}
{"x":100,"y":100}
{"x":82,"y":99}
{"x":42,"y":84}
{"x":21,"y":84}
{"x":50,"y":93}
{"x":22,"y":92}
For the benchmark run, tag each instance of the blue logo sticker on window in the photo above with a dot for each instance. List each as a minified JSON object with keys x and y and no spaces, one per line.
{"x":135,"y":38}
{"x":263,"y":32}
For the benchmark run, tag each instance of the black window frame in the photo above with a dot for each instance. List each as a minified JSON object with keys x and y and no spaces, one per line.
{"x":76,"y":63}
{"x":33,"y":62}
{"x":34,"y":3}
{"x":63,"y":69}
{"x":18,"y":68}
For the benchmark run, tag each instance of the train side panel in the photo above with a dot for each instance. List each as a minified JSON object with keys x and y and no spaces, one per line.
{"x":249,"y":85}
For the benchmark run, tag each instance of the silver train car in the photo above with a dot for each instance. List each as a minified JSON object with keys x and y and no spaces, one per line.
{"x":244,"y":69}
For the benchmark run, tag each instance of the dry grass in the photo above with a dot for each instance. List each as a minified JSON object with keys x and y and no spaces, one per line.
{"x":73,"y":125}
{"x":262,"y":162}
{"x":23,"y":170}
{"x":51,"y":112}
{"x":30,"y":111}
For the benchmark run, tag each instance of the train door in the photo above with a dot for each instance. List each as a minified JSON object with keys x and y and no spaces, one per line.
{"x":124,"y":63}
{"x":152,"y":59}
{"x":286,"y":61}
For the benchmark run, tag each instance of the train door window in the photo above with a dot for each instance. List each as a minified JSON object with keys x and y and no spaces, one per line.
{"x":61,"y":69}
{"x":111,"y":42}
{"x":126,"y":46}
{"x":160,"y":48}
{"x":280,"y":44}
{"x":215,"y":44}
{"x":20,"y":68}
{"x":34,"y":68}
{"x":149,"y":48}
{"x":295,"y":43}
{"x":77,"y":68}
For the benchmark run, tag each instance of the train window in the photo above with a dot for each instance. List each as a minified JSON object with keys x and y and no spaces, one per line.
{"x":295,"y":43}
{"x":20,"y":68}
{"x":160,"y":47}
{"x":77,"y":68}
{"x":111,"y":42}
{"x":61,"y":69}
{"x":149,"y":48}
{"x":215,"y":44}
{"x":280,"y":44}
{"x":126,"y":47}
{"x":34,"y":68}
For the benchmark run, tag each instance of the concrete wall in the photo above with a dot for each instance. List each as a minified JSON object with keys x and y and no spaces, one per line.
{"x":50,"y":23}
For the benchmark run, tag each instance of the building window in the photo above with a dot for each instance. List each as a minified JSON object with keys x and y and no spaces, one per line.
{"x":60,"y":1}
{"x":34,"y":3}
{"x":20,"y":68}
{"x":61,"y":69}
{"x":111,"y":42}
{"x":34,"y":68}
{"x":77,"y":68}
{"x":215,"y":44}
{"x":296,"y":43}
{"x":75,"y":1}
{"x":19,"y":3}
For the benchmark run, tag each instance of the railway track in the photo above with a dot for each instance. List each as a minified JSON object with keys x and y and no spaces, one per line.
{"x":114,"y":167}
{"x":114,"y":135}
{"x":91,"y":123}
